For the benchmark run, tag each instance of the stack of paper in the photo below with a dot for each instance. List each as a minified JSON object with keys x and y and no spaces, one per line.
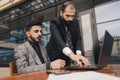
{"x":89,"y":75}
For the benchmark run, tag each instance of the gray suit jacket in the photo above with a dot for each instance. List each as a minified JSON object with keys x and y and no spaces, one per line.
{"x":27,"y":59}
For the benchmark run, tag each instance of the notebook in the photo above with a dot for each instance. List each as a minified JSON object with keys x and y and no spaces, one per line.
{"x":102,"y":57}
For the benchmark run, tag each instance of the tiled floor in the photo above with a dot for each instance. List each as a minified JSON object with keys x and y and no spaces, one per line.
{"x":4,"y":72}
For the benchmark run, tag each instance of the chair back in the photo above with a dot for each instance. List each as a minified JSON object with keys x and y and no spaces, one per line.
{"x":13,"y":68}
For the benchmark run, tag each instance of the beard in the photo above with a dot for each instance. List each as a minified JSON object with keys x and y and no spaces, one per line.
{"x":35,"y":39}
{"x":67,"y":23}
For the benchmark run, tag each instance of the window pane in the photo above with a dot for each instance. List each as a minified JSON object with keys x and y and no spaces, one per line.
{"x":112,"y":27}
{"x":108,"y":18}
{"x":108,"y":12}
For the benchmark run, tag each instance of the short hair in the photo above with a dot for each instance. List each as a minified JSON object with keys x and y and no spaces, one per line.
{"x":32,"y":23}
{"x":66,"y":4}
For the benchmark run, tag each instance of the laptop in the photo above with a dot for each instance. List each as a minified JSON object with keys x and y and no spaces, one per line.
{"x":102,"y":57}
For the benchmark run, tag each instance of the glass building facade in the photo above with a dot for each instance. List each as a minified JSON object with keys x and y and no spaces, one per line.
{"x":13,"y":21}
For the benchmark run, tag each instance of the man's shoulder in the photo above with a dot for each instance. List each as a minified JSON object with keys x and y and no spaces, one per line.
{"x":42,"y":48}
{"x":55,"y":20}
{"x":22,"y":45}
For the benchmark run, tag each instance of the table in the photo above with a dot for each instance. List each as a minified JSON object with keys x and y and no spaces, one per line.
{"x":43,"y":75}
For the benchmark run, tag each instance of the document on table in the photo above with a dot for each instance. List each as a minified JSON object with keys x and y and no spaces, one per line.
{"x":88,"y":75}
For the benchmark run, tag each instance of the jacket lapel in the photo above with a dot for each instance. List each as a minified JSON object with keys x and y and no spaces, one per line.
{"x":44,"y":54}
{"x":33,"y":53}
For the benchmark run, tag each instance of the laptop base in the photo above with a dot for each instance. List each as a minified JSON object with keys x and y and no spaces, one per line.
{"x":81,"y":68}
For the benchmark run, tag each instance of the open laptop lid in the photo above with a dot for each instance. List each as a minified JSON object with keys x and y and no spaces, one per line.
{"x":105,"y":51}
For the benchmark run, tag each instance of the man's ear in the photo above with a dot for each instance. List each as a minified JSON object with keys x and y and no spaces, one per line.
{"x":28,"y":33}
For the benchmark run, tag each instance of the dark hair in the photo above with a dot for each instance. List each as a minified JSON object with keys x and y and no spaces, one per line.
{"x":32,"y":23}
{"x":66,"y":4}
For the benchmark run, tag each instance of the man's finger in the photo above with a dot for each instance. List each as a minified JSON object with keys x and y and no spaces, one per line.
{"x":86,"y":62}
{"x":79,"y":63}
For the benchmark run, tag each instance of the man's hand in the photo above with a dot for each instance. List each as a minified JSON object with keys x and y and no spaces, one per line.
{"x":81,"y":60}
{"x":74,"y":57}
{"x":57,"y":64}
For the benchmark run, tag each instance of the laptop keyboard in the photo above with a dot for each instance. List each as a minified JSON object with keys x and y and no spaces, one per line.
{"x":81,"y":68}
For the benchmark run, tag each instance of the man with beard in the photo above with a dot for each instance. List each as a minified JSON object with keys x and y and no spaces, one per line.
{"x":30,"y":56}
{"x":65,"y":41}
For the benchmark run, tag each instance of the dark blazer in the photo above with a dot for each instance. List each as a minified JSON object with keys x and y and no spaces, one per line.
{"x":27,"y":59}
{"x":58,"y":39}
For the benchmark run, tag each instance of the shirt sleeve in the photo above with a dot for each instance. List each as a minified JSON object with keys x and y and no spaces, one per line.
{"x":78,"y":52}
{"x":66,"y":51}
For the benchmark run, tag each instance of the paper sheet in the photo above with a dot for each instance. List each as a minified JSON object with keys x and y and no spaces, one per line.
{"x":89,"y":75}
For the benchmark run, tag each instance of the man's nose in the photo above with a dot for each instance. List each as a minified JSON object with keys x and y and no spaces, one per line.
{"x":40,"y":33}
{"x":70,"y":18}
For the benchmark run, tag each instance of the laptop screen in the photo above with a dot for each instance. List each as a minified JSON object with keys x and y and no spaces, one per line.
{"x":105,"y":51}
